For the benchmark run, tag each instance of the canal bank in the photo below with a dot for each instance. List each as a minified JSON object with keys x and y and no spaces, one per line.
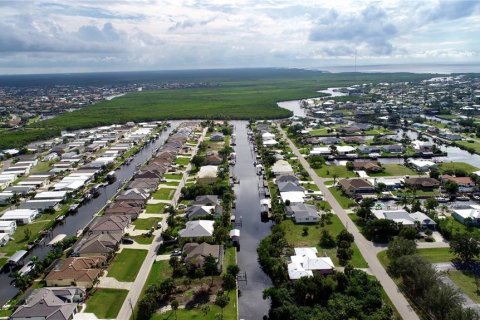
{"x":85,"y":213}
{"x":251,"y":304}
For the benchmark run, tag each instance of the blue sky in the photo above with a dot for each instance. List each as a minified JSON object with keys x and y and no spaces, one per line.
{"x":101,"y":35}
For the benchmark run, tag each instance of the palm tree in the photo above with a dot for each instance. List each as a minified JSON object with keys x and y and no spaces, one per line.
{"x":174,"y":306}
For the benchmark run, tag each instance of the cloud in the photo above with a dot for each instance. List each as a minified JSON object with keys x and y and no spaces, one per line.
{"x":452,"y":10}
{"x":189,"y":23}
{"x":370,"y":28}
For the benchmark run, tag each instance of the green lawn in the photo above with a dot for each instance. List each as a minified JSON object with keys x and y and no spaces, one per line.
{"x":106,"y":303}
{"x":436,"y":255}
{"x":172,"y":176}
{"x":392,"y":169}
{"x":20,"y":242}
{"x":343,"y":200}
{"x":229,"y":313}
{"x":295,"y":237}
{"x":142,"y":239}
{"x":182,"y":161}
{"x":146,"y":224}
{"x":456,"y":166}
{"x":126,"y":264}
{"x":329,"y":171}
{"x":377,"y":131}
{"x":164,"y":194}
{"x":474,"y":145}
{"x":320,"y":132}
{"x":467,"y":284}
{"x":172,"y":183}
{"x":311,"y":186}
{"x":42,"y":166}
{"x":155,"y":208}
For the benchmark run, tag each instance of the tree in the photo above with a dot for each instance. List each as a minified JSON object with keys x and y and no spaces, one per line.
{"x":381,"y":230}
{"x":304,"y":231}
{"x":146,"y":307}
{"x":344,"y":254}
{"x":210,"y":266}
{"x":431,"y":204}
{"x":349,"y":166}
{"x":174,"y":306}
{"x":466,"y":247}
{"x":440,"y":299}
{"x":400,"y":247}
{"x":326,"y":240}
{"x":408,"y":233}
{"x":233,"y":269}
{"x":417,"y":274}
{"x":198,"y":160}
{"x":174,"y":263}
{"x":229,"y":282}
{"x":167,"y":287}
{"x":416,"y":206}
{"x":222,"y":301}
{"x":451,"y":187}
{"x":27,"y":233}
{"x":346,"y":236}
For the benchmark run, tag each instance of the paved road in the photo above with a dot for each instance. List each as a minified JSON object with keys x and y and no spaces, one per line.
{"x":366,"y":247}
{"x":251,"y":305}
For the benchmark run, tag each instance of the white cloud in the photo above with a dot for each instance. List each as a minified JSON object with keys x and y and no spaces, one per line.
{"x":156,"y":34}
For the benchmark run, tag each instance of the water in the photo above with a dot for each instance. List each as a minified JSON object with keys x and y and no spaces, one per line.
{"x":251,"y":304}
{"x":414,"y":68}
{"x":86,"y":212}
{"x":333,"y":92}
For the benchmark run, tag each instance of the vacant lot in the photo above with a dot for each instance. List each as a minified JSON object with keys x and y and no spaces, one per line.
{"x":343,"y":200}
{"x":331,"y":171}
{"x":146,"y":224}
{"x":295,"y":237}
{"x":126,"y":264}
{"x":164,"y":194}
{"x":457,"y":166}
{"x":466,"y":282}
{"x":155,"y":208}
{"x":106,"y":303}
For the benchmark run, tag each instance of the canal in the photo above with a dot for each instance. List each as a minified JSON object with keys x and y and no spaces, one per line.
{"x":251,"y":304}
{"x":85,"y":213}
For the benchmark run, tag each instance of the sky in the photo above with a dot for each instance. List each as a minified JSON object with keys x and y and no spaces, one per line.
{"x":48,"y":36}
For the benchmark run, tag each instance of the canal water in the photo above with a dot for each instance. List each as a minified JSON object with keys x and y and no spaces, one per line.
{"x":251,"y":304}
{"x":86,"y":212}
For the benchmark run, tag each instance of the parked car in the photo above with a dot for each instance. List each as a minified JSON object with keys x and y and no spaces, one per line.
{"x":27,"y":268}
{"x":127,"y":241}
{"x":176,"y":253}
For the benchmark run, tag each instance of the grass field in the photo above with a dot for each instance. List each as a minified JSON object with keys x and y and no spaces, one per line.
{"x":436,"y":255}
{"x":155,"y":208}
{"x":182,"y":161}
{"x":392,"y":169}
{"x":146,"y":224}
{"x":143,"y":239}
{"x":242,"y":94}
{"x":164,"y":194}
{"x":295,"y":237}
{"x":457,"y":166}
{"x":126,"y":264}
{"x":106,"y":303}
{"x":328,"y":171}
{"x":320,"y":132}
{"x":467,"y":284}
{"x":172,"y":183}
{"x":343,"y":200}
{"x":172,"y":176}
{"x":474,"y":145}
{"x":20,"y":241}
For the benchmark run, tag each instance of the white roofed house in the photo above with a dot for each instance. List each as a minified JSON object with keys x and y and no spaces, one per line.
{"x":207,"y":174}
{"x":422,"y":165}
{"x":305,"y":263}
{"x":8,"y":227}
{"x":197,"y":229}
{"x":406,"y":219}
{"x":20,"y":216}
{"x":422,"y":146}
{"x":468,"y":216}
{"x":282,"y":167}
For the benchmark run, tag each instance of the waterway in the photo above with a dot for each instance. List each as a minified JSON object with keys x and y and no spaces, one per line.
{"x":251,"y":304}
{"x":85,"y":213}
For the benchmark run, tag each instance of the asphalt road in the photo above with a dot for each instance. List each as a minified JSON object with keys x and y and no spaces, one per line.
{"x":368,"y":250}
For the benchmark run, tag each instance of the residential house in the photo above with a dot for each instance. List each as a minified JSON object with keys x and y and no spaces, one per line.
{"x":8,"y":227}
{"x":110,"y":224}
{"x":406,"y":219}
{"x":282,"y":167}
{"x":356,"y":187}
{"x":287,"y":178}
{"x":217,"y":136}
{"x":198,"y":211}
{"x":76,"y":271}
{"x":465,"y":184}
{"x":422,"y":183}
{"x":367,"y":165}
{"x":213,"y":159}
{"x":20,"y":216}
{"x":208,"y":200}
{"x":422,"y":165}
{"x":197,"y":229}
{"x":207,"y":174}
{"x":305,"y":262}
{"x":422,"y":146}
{"x":195,"y":254}
{"x":125,"y":208}
{"x":469,"y":216}
{"x":4,"y":238}
{"x":303,"y":213}
{"x":97,"y":244}
{"x":51,"y":304}
{"x":393,"y":148}
{"x":134,"y":194}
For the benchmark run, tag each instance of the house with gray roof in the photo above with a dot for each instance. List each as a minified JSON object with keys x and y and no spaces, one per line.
{"x":303,"y":213}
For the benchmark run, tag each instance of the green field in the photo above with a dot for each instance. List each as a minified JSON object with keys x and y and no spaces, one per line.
{"x":241,"y":94}
{"x":295,"y":237}
{"x":343,"y":200}
{"x":106,"y":303}
{"x":164,"y":194}
{"x":392,"y":169}
{"x":436,"y":255}
{"x":146,"y":224}
{"x":143,"y":239}
{"x":320,"y":132}
{"x":457,"y":166}
{"x":172,"y":176}
{"x":329,"y":171}
{"x":155,"y":208}
{"x":126,"y":264}
{"x":182,"y":161}
{"x":474,"y":145}
{"x":466,"y":282}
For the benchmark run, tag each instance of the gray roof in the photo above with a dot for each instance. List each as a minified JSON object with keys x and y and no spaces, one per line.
{"x":301,"y":211}
{"x":289,"y":186}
